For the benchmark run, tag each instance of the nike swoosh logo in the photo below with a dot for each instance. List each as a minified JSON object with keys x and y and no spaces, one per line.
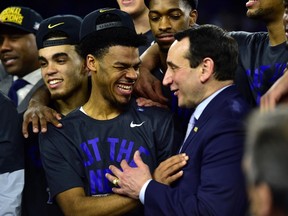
{"x":132,"y":125}
{"x":55,"y":25}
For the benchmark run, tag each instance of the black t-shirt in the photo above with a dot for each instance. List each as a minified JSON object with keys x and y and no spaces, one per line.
{"x":260,"y":64}
{"x":79,"y":153}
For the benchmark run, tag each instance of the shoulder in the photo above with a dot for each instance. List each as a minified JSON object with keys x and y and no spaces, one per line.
{"x":242,"y":36}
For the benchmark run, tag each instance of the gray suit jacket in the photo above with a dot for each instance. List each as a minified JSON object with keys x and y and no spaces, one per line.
{"x":5,"y":85}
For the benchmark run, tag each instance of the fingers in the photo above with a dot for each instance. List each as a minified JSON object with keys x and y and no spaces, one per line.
{"x":138,"y":159}
{"x":170,"y":169}
{"x":157,"y":86}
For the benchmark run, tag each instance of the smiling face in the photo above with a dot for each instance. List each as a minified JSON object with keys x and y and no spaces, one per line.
{"x":167,"y":18}
{"x":62,"y":70}
{"x":183,"y":80}
{"x":114,"y":75}
{"x":18,"y":51}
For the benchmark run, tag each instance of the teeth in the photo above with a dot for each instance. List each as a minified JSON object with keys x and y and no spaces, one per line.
{"x":125,"y":87}
{"x":52,"y":82}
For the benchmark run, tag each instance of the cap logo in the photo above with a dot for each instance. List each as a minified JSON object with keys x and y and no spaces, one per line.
{"x":50,"y":26}
{"x":13,"y":15}
{"x":105,"y":10}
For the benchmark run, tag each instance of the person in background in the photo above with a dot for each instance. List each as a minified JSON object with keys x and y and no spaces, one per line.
{"x":11,"y":159}
{"x":201,"y":69}
{"x":66,"y":78}
{"x":139,"y":13}
{"x":262,"y":55}
{"x":278,"y":93}
{"x":19,"y":54}
{"x":109,"y":127}
{"x":266,"y":162}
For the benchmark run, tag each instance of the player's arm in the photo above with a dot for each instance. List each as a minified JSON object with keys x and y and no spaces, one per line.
{"x":39,"y":114}
{"x":75,"y":202}
{"x":147,"y":85}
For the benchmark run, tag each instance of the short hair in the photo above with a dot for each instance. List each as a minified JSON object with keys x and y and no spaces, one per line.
{"x":267,"y":149}
{"x":98,"y":42}
{"x":212,"y":41}
{"x":192,"y":3}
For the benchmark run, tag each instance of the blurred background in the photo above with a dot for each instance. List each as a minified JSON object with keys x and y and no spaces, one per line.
{"x":230,"y":15}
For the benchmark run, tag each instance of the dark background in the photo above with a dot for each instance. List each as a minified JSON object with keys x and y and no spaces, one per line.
{"x":229,"y":14}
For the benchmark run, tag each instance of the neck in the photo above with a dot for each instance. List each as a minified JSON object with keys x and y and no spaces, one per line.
{"x":99,"y":108}
{"x":276,"y":31}
{"x":65,"y":106}
{"x":141,"y":22}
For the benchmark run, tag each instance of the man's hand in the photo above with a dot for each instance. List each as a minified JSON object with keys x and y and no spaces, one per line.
{"x":38,"y":114}
{"x":277,"y":94}
{"x":148,"y":86}
{"x":131,"y":179}
{"x":170,"y":170}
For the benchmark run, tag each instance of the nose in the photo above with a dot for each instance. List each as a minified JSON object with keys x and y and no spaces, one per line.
{"x":49,"y":70}
{"x":5,"y":44}
{"x":164,"y":23}
{"x":132,"y":73}
{"x":168,"y":79}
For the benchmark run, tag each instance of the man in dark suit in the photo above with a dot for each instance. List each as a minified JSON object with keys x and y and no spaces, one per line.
{"x":201,"y":69}
{"x":19,"y":54}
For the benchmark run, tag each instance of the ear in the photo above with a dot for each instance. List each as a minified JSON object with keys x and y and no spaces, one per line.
{"x":91,"y":63}
{"x":265,"y":199}
{"x":207,"y":68}
{"x":193,"y":15}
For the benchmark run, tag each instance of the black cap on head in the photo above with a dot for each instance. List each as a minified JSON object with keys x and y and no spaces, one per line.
{"x":22,"y":18}
{"x":68,"y":24}
{"x":102,"y":19}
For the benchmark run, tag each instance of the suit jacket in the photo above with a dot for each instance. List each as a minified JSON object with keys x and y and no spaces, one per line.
{"x":213,"y":182}
{"x":5,"y":85}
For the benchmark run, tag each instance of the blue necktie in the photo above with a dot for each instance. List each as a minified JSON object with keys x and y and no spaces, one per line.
{"x":191,"y":124}
{"x":16,"y":85}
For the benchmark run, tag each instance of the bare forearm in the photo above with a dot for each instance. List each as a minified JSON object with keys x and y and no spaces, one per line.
{"x":41,"y":95}
{"x":106,"y":205}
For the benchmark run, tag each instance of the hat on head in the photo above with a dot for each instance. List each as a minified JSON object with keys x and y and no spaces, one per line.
{"x":106,"y":18}
{"x":22,"y":18}
{"x":68,"y":24}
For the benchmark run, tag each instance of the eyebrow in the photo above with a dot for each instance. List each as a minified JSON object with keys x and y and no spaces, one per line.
{"x":171,"y":64}
{"x":169,"y":11}
{"x":55,"y":56}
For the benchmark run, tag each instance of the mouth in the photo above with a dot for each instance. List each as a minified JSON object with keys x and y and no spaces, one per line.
{"x":250,"y":3}
{"x":8,"y":60}
{"x":166,"y":37}
{"x":54,"y":83}
{"x":125,"y":88}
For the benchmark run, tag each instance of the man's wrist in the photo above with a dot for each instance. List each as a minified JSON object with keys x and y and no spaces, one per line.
{"x":143,"y":190}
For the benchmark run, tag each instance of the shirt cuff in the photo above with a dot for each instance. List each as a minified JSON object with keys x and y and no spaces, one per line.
{"x":143,"y":190}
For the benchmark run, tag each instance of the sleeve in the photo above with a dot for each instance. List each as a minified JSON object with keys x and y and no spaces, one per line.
{"x":11,"y":159}
{"x":11,"y":194}
{"x":60,"y":162}
{"x":215,"y":187}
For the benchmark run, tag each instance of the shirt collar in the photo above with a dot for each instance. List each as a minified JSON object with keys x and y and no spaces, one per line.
{"x":200,"y":108}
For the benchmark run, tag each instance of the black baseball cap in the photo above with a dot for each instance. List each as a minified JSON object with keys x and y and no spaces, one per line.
{"x":68,"y":24}
{"x":23,"y":18}
{"x":100,"y":19}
